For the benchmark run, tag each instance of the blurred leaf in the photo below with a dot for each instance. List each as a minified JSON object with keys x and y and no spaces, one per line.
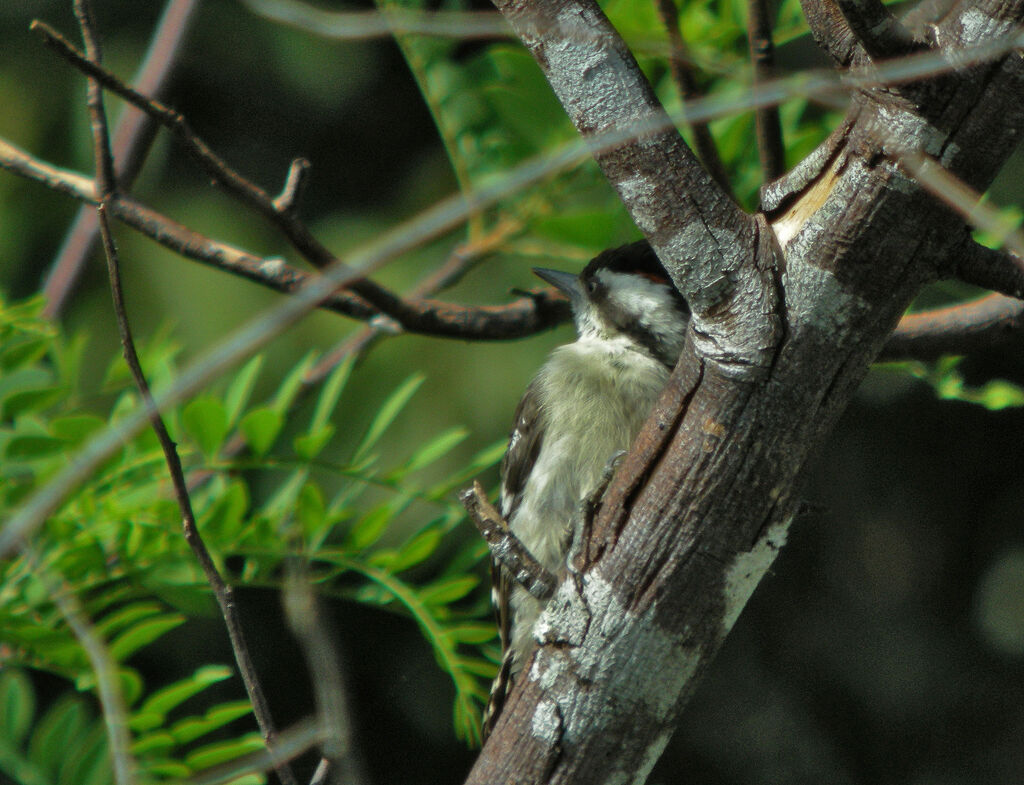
{"x":192,"y":728}
{"x":330,"y":393}
{"x":223,"y":751}
{"x":449,"y":590}
{"x":143,"y":634}
{"x":308,"y":445}
{"x":206,"y":421}
{"x":17,"y":705}
{"x":240,"y":389}
{"x":170,"y":697}
{"x":261,"y":428}
{"x":387,"y":413}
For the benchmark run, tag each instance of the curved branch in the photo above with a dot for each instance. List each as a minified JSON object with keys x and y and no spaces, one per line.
{"x":538,"y":311}
{"x":987,"y":323}
{"x":715,"y":253}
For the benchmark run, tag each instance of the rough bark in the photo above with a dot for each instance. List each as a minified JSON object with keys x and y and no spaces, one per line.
{"x":791,"y":306}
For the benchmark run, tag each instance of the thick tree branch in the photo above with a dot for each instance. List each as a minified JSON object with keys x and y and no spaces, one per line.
{"x":832,"y":33}
{"x":701,"y":505}
{"x":998,"y":270}
{"x":880,"y":33}
{"x":714,"y":252}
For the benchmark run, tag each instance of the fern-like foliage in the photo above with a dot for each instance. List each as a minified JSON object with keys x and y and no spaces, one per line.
{"x":267,"y":487}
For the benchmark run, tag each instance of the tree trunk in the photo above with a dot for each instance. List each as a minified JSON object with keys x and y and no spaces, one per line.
{"x":790,"y":308}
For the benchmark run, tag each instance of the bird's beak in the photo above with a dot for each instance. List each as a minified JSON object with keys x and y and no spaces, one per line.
{"x":567,"y":283}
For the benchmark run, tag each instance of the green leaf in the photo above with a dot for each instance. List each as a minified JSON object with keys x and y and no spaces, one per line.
{"x":310,"y":511}
{"x":143,"y":634}
{"x":449,"y":590}
{"x":370,"y":527}
{"x":388,"y":412}
{"x":240,"y":389}
{"x":309,"y":445}
{"x":76,"y":428}
{"x":86,"y":760}
{"x":206,"y":421}
{"x":292,"y":384}
{"x":416,"y":549}
{"x":261,"y":427}
{"x":123,"y":617}
{"x":33,"y":447}
{"x":473,"y":634}
{"x":191,"y":728}
{"x":227,"y":515}
{"x":331,"y":392}
{"x":170,"y":697}
{"x":17,"y":705}
{"x":223,"y":751}
{"x":432,"y":451}
{"x":67,"y":719}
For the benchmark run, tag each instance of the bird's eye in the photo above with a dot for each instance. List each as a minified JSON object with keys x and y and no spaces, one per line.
{"x":592,"y":286}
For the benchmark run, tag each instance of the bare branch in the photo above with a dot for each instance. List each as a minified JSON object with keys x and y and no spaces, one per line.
{"x":132,"y":137}
{"x":526,"y":316}
{"x":223,"y":593}
{"x":505,"y":547}
{"x":989,"y":323}
{"x":770,"y":147}
{"x":998,"y":270}
{"x":684,"y":74}
{"x":880,"y":33}
{"x":832,"y":32}
{"x":294,"y":186}
{"x":967,"y":202}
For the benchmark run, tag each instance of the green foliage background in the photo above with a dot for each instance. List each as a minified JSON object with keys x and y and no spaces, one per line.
{"x":895,"y":606}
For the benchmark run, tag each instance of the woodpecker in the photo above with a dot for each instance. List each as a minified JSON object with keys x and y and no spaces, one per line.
{"x":585,"y":405}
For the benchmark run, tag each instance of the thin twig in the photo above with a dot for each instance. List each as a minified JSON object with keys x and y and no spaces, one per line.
{"x":520,"y":318}
{"x":505,"y":547}
{"x":105,"y":185}
{"x":132,"y":137}
{"x":770,"y":147}
{"x":684,"y":75}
